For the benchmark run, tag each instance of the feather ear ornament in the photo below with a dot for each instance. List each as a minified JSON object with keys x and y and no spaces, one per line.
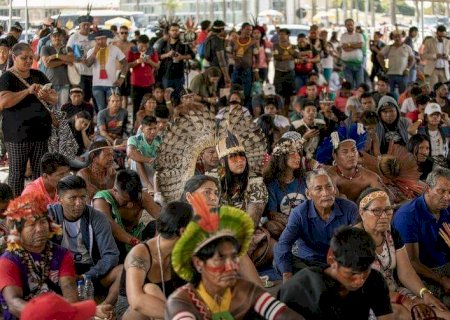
{"x":209,"y":219}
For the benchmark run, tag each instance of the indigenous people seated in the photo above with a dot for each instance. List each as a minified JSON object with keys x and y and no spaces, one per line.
{"x":6,"y":196}
{"x":76,"y":103}
{"x":209,"y":188}
{"x":348,"y":176}
{"x":392,"y":259}
{"x":420,"y":223}
{"x":147,"y":108}
{"x":311,"y":225}
{"x":123,"y":205}
{"x":87,"y":234}
{"x":141,"y":150}
{"x":32,"y":264}
{"x":207,"y":256}
{"x":147,"y":279}
{"x":112,"y":121}
{"x":100,"y":173}
{"x":419,"y":147}
{"x":347,"y":288}
{"x":54,"y":167}
{"x":80,"y":125}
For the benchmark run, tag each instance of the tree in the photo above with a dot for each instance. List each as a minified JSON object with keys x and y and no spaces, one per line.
{"x":170,"y":7}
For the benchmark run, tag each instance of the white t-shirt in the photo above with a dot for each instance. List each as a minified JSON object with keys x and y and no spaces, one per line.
{"x":80,"y":42}
{"x":354,"y":55}
{"x":408,"y":105}
{"x":114,"y":54}
{"x":73,"y":240}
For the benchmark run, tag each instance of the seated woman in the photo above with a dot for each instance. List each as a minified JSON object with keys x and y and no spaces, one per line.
{"x":147,"y":279}
{"x":79,"y":125}
{"x":209,"y":188}
{"x":419,"y":146}
{"x":392,"y":259}
{"x":207,"y":256}
{"x":123,"y":205}
{"x":148,"y":106}
{"x":285,"y":184}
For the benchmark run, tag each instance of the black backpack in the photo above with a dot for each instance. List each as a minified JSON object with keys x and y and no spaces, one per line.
{"x":208,"y":53}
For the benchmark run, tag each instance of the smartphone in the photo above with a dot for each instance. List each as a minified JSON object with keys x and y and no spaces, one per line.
{"x":314,"y":127}
{"x":47,"y":86}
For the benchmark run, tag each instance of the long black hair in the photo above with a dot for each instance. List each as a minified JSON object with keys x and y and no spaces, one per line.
{"x":229,"y":180}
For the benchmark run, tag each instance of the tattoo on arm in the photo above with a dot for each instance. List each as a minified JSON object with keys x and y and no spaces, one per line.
{"x":138,"y":262}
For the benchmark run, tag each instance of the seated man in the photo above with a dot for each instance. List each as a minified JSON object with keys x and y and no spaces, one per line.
{"x":20,"y":278}
{"x":76,"y":103}
{"x":345,"y":289}
{"x":270,"y":108}
{"x":6,"y":195}
{"x":54,"y":167}
{"x":123,"y":205}
{"x":112,"y":121}
{"x":312,"y":224}
{"x":87,"y":234}
{"x":141,"y":149}
{"x":419,"y":223}
{"x":162,"y":115}
{"x":348,"y":176}
{"x":100,"y":174}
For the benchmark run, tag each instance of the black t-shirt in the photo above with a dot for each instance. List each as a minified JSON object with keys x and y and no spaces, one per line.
{"x":28,"y":120}
{"x":315,"y":295}
{"x":78,"y":137}
{"x":216,"y":44}
{"x":171,"y":69}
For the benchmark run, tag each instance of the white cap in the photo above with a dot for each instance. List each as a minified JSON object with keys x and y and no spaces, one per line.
{"x":432,"y":107}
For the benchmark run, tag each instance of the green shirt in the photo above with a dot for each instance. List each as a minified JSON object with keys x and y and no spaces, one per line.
{"x":145,"y":148}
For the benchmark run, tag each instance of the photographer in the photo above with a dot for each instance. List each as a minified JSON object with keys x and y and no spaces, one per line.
{"x":375,"y":46}
{"x":172,"y":54}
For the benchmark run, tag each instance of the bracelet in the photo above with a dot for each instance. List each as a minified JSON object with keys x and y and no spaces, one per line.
{"x":423,"y":291}
{"x":122,"y":76}
{"x":402,"y":299}
{"x":399,"y":298}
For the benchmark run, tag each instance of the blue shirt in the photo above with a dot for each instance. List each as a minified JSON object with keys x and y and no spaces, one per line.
{"x":311,"y":233}
{"x":416,"y":224}
{"x":283,"y":200}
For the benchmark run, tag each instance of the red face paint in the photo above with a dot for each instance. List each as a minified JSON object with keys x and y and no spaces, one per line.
{"x":212,"y":269}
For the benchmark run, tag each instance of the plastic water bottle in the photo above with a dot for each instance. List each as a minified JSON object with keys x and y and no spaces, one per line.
{"x":88,"y":288}
{"x":80,"y":290}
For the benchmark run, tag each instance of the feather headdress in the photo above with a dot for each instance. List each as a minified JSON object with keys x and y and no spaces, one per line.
{"x":355,"y":133}
{"x":194,"y":131}
{"x":26,"y":207}
{"x":211,"y":225}
{"x":86,"y":18}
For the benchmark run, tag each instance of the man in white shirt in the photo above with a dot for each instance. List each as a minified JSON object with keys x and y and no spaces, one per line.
{"x":80,"y":45}
{"x":103,"y":59}
{"x":436,"y":54}
{"x":352,"y":54}
{"x":401,"y":59}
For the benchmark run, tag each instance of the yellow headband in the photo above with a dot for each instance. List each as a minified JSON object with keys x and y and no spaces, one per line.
{"x":372,"y":196}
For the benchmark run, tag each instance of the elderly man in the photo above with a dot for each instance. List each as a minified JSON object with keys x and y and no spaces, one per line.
{"x":419,"y":223}
{"x":100,"y":174}
{"x":401,"y":59}
{"x":312,"y":224}
{"x":87,"y":234}
{"x":21,"y":278}
{"x":347,"y":288}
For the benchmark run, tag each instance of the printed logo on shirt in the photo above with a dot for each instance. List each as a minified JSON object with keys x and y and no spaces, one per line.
{"x":290,"y":201}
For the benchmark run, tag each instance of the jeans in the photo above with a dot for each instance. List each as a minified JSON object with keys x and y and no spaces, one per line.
{"x":244,"y":77}
{"x":101,"y":94}
{"x":176,"y":84}
{"x":399,"y":80}
{"x":354,"y":74}
{"x":412,"y":75}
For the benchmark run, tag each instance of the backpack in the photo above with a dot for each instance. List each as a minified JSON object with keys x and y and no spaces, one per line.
{"x":208,"y":54}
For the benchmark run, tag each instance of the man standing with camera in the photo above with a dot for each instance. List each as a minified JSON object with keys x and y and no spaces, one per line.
{"x":172,"y":54}
{"x":436,"y":54}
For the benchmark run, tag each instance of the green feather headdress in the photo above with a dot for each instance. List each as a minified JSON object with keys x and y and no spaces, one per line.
{"x":213,"y":224}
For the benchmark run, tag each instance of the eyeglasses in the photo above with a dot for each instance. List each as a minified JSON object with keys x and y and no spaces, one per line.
{"x":378,"y":212}
{"x":124,"y":32}
{"x":235,"y":102}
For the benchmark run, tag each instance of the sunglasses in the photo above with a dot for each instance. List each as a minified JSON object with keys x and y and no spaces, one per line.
{"x":124,"y":32}
{"x":235,"y":102}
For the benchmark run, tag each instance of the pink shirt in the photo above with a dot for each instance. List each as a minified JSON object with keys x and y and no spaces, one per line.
{"x":37,"y":186}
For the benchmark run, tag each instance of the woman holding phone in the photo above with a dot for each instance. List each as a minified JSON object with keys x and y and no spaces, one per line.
{"x":25,"y":99}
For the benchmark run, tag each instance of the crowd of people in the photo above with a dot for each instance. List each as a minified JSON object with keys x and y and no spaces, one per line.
{"x":183,"y":182}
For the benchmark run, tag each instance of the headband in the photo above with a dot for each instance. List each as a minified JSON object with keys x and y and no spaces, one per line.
{"x":286,"y":147}
{"x":372,"y":196}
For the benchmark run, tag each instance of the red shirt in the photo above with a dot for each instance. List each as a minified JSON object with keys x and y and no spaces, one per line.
{"x":413,"y":115}
{"x":142,"y":76}
{"x":202,"y":35}
{"x":37,"y":186}
{"x":12,"y":276}
{"x":302,"y":91}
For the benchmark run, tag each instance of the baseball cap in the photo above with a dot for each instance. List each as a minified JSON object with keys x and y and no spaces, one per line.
{"x":50,"y":306}
{"x":432,"y":107}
